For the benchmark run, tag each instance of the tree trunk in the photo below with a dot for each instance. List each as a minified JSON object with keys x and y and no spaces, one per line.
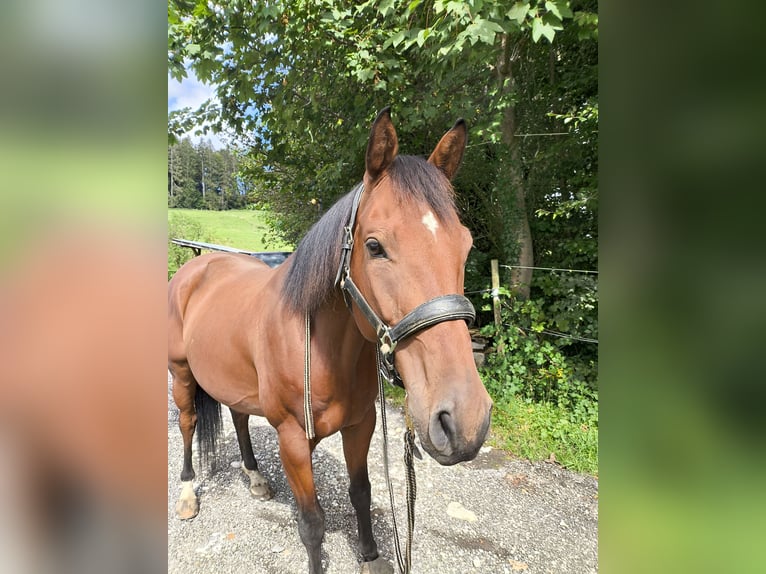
{"x":521,"y":272}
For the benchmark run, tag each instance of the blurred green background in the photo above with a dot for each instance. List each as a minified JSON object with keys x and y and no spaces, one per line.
{"x":682,"y":310}
{"x":81,"y":116}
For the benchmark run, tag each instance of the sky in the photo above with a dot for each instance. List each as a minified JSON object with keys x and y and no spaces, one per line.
{"x":191,"y":92}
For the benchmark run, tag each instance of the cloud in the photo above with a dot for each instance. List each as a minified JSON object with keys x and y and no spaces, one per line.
{"x":192,"y":93}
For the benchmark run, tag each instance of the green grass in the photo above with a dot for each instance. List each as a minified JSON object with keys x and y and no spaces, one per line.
{"x":536,"y":431}
{"x":243,"y":228}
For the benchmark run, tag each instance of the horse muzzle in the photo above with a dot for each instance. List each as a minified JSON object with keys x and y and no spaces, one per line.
{"x":448,"y":440}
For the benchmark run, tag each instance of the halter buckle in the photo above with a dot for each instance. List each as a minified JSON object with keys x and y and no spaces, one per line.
{"x":345,"y":254}
{"x":386,"y":347}
{"x":386,"y":343}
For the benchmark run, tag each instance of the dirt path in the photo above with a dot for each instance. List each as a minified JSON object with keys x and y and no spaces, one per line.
{"x":493,"y":514}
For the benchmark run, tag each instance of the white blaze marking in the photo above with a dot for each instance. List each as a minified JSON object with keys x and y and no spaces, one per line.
{"x":430,"y":222}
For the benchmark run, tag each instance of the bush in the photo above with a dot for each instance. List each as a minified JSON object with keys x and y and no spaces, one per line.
{"x":543,"y":406}
{"x":572,"y":307}
{"x":525,"y":363}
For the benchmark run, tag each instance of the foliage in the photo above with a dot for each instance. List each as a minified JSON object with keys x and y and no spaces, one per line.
{"x":526,"y":362}
{"x":569,"y":302}
{"x":433,"y":60}
{"x":542,"y":405}
{"x":183,"y":227}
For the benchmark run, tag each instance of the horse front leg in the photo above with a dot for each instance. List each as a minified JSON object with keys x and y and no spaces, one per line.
{"x":295,"y":451}
{"x":356,"y":445}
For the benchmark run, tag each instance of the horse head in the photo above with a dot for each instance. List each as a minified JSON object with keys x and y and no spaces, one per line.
{"x":410,"y":249}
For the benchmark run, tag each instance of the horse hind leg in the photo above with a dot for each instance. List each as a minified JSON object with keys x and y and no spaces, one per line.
{"x":259,"y":486}
{"x":184,"y":390}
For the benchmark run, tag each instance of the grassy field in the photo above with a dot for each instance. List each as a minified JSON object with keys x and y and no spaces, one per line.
{"x":244,"y":229}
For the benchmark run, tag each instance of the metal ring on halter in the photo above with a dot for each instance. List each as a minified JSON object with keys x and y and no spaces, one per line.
{"x":386,"y":342}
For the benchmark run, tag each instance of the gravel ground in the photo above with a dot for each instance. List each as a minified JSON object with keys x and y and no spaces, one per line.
{"x":494,"y":514}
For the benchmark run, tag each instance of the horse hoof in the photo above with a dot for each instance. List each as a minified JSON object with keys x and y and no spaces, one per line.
{"x":378,"y":566}
{"x":261,"y":492}
{"x":187,"y":509}
{"x":259,"y":486}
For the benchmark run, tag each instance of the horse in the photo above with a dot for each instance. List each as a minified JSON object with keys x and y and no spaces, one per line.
{"x":378,"y":279}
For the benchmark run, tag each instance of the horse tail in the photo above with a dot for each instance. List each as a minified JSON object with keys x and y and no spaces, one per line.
{"x":208,"y":424}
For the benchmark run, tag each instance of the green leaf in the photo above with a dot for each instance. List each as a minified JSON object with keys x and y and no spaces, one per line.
{"x":423,"y":36}
{"x":564,"y":10}
{"x":385,"y":7}
{"x":552,"y":7}
{"x":365,"y":74}
{"x":539,"y":28}
{"x":552,"y":21}
{"x":518,"y":12}
{"x":396,"y":39}
{"x":457,"y":8}
{"x":413,"y":5}
{"x":193,"y":49}
{"x":484,"y":31}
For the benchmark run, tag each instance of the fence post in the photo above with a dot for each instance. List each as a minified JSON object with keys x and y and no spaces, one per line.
{"x":495,"y":291}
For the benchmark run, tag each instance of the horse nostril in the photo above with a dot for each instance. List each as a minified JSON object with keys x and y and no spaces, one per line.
{"x":447,"y":424}
{"x":442,"y":430}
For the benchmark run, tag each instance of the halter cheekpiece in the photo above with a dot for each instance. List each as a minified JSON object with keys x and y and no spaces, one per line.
{"x":437,"y":310}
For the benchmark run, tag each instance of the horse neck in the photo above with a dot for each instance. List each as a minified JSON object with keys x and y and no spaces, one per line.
{"x":335,"y":327}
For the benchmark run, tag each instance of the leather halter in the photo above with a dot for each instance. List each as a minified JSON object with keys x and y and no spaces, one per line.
{"x":437,"y":310}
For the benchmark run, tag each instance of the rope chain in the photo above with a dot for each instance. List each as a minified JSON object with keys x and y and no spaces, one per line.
{"x":308,"y":412}
{"x":404,"y":563}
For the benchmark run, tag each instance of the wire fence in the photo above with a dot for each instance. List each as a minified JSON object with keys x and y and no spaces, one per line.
{"x":494,"y":292}
{"x":548,"y":269}
{"x":567,"y":336}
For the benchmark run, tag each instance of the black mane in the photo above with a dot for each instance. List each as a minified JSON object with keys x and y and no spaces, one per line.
{"x":310,"y":279}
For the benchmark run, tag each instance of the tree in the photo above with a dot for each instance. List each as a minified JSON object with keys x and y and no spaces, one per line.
{"x":200,"y":177}
{"x":301,"y":81}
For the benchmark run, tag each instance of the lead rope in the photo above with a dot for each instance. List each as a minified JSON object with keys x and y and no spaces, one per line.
{"x":404,"y":563}
{"x":308,"y":413}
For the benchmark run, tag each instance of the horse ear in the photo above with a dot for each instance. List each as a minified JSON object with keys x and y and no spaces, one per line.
{"x":383,"y":145}
{"x":449,"y":151}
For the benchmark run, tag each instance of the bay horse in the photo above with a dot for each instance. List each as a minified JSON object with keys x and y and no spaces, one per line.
{"x":238,"y":330}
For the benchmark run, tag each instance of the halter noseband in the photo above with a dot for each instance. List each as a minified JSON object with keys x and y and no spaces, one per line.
{"x":437,"y":310}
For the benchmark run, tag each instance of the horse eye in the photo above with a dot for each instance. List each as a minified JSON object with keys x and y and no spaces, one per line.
{"x":374,"y":248}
